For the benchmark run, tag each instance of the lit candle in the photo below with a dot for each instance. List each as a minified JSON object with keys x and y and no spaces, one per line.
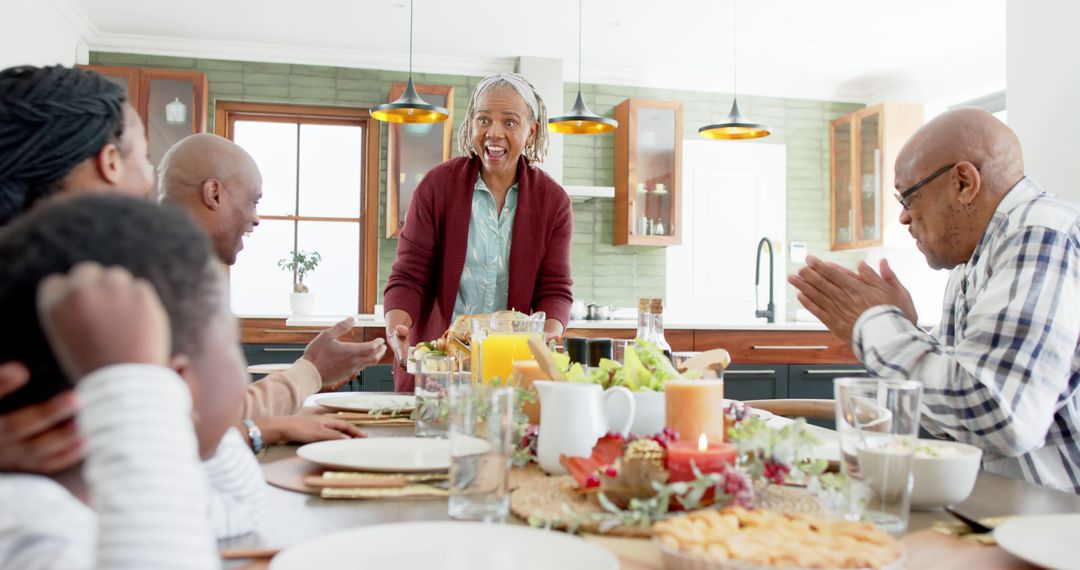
{"x":708,"y":457}
{"x":695,"y":407}
{"x":525,"y":373}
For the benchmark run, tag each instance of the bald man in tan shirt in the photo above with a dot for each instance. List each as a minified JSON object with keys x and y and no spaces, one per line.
{"x":220,"y":184}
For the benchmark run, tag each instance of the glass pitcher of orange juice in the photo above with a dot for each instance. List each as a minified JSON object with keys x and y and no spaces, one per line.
{"x":501,"y":338}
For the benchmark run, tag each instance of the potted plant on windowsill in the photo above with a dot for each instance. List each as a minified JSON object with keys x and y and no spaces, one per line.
{"x":300,"y":263}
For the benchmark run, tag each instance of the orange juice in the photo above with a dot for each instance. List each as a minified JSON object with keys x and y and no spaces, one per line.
{"x":498,"y":351}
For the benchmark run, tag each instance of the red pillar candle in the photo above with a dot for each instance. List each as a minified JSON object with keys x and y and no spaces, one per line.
{"x":708,"y":457}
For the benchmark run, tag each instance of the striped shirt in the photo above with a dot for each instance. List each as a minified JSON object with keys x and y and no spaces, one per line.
{"x":147,"y":487}
{"x":238,"y":491}
{"x":1002,"y":369}
{"x":484,"y":282}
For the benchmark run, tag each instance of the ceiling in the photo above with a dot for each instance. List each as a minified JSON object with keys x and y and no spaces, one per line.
{"x":852,"y":50}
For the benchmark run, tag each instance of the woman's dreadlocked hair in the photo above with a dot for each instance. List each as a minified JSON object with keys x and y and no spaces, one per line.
{"x":536,"y":149}
{"x":51,"y":119}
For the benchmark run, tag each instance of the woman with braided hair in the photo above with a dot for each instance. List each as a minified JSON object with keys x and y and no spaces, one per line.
{"x":485,"y":231}
{"x":65,"y":130}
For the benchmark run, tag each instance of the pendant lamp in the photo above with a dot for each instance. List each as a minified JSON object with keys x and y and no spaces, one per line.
{"x":410,"y":107}
{"x":736,"y":127}
{"x":581,"y":120}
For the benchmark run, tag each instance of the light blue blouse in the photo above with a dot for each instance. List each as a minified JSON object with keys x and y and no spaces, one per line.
{"x":485,"y":277}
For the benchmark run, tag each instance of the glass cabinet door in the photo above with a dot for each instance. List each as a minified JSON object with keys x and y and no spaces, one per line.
{"x":843,"y":209}
{"x":655,"y":172}
{"x":648,"y":161}
{"x":170,"y":104}
{"x":869,"y":183}
{"x":412,"y":150}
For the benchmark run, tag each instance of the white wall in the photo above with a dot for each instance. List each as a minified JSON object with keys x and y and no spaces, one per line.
{"x":34,"y":33}
{"x":1044,"y":90}
{"x":546,"y":75}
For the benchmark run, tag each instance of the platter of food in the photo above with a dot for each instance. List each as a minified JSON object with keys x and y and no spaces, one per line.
{"x":734,"y":538}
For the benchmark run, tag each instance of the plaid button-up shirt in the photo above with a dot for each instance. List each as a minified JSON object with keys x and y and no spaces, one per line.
{"x":1002,"y":369}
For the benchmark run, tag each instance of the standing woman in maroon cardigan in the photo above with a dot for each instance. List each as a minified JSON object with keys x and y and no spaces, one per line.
{"x":484,"y":231}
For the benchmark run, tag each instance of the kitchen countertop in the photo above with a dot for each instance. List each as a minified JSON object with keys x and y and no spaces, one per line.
{"x":369,"y":321}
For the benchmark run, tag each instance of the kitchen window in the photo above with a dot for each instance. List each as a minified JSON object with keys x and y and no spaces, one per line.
{"x":319,"y":168}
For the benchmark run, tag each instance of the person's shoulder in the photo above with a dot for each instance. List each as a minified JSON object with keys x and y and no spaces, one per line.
{"x":448,"y":174}
{"x":449,"y":168}
{"x":1048,"y":211}
{"x":551,"y":192}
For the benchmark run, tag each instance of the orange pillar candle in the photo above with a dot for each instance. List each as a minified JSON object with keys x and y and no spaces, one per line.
{"x":525,"y":373}
{"x":695,"y":407}
{"x":708,"y":457}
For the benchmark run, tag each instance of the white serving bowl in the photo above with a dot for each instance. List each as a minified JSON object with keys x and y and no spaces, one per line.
{"x":947,"y":478}
{"x":648,"y":413}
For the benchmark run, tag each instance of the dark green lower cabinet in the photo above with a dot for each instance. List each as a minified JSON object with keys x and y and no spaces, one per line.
{"x":755,"y":382}
{"x":378,"y":378}
{"x":780,"y":381}
{"x":816,"y":381}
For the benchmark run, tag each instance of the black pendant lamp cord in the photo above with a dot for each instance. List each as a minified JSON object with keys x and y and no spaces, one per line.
{"x":579,"y":45}
{"x":410,"y":36}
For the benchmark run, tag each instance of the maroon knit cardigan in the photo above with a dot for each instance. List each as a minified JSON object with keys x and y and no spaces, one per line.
{"x":431,"y":250}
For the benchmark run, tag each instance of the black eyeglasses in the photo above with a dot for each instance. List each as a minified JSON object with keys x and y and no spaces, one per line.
{"x":905,"y":196}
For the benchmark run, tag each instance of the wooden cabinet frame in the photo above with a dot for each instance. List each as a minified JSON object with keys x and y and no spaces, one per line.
{"x":394,"y":150}
{"x":138,"y":81}
{"x":897,"y":122}
{"x":626,"y":174}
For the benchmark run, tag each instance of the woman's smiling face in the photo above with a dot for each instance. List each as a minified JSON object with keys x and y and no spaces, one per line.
{"x":502,"y":126}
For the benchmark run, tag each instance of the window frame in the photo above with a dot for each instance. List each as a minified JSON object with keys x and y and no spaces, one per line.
{"x":227,"y":113}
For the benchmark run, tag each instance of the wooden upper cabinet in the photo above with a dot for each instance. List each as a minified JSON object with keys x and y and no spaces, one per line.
{"x":152,"y":91}
{"x":648,"y":172}
{"x":863,"y":147}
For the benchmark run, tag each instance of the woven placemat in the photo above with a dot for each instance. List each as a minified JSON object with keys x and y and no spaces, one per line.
{"x":553,"y":501}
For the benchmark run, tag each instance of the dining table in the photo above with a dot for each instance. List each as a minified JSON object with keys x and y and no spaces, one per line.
{"x":293,"y":517}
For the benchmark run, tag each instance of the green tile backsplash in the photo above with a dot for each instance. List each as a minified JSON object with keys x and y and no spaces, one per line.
{"x":602,"y":272}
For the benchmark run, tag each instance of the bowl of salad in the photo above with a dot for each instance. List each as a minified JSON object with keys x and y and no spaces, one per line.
{"x":944,"y":473}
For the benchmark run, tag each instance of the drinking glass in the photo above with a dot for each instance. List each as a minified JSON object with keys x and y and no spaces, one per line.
{"x":499,"y":339}
{"x":435,"y":374}
{"x":618,"y":349}
{"x":878,"y":424}
{"x":481,"y":423}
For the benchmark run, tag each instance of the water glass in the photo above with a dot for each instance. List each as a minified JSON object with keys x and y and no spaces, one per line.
{"x":878,"y":424}
{"x":434,"y":376}
{"x":481,"y":424}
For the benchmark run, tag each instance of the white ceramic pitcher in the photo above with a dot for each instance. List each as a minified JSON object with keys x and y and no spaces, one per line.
{"x":573,"y":417}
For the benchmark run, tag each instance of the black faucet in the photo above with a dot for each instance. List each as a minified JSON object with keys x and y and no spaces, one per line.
{"x":770,"y":310}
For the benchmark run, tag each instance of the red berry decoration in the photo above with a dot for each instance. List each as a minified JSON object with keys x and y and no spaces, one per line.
{"x":592,"y":481}
{"x":611,"y":472}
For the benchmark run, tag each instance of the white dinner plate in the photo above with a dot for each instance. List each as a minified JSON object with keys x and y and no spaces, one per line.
{"x":359,"y":402}
{"x":1044,"y":540}
{"x":448,"y":546}
{"x":387,"y":454}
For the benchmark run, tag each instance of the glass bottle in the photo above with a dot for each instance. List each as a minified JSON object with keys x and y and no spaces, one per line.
{"x":644,"y":320}
{"x":656,"y":307}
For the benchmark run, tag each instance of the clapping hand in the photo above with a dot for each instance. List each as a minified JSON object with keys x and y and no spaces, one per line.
{"x":839,"y":296}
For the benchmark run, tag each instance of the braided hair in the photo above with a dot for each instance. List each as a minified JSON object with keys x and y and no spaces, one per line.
{"x":51,"y":119}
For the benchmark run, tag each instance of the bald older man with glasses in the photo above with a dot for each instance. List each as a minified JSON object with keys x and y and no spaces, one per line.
{"x":1002,"y":369}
